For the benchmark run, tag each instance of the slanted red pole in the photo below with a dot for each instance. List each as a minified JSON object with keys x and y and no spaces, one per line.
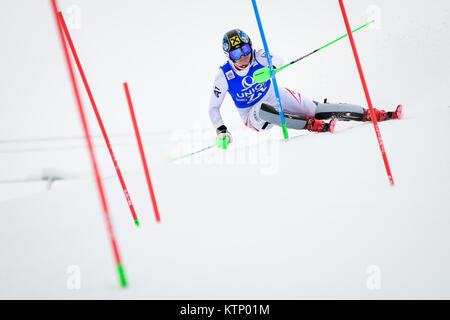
{"x":91,"y":149}
{"x":141,"y":150}
{"x":99,"y":119}
{"x":366,"y":91}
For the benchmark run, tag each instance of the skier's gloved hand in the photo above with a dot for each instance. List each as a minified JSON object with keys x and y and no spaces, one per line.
{"x":223,"y":137}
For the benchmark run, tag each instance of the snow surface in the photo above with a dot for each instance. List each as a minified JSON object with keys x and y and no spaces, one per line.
{"x":266,"y":219}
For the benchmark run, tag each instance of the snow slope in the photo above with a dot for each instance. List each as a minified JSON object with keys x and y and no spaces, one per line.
{"x":266,"y":219}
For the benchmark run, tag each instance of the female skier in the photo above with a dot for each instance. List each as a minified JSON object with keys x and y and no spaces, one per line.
{"x":257,"y":104}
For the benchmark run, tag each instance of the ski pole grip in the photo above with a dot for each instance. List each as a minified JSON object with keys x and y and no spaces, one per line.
{"x":223,"y":143}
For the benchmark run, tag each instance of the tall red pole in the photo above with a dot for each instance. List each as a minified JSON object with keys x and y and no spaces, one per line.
{"x":366,"y":92}
{"x":99,"y":119}
{"x":91,"y":149}
{"x":141,"y":150}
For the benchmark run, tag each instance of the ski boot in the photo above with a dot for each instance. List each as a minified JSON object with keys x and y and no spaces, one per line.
{"x":398,"y":113}
{"x":316,"y":125}
{"x":382,"y":115}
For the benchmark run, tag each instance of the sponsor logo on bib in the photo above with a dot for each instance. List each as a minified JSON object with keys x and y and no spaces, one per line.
{"x":251,"y":90}
{"x":230,"y":75}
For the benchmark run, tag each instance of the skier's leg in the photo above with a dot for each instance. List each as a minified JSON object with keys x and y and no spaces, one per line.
{"x":291,"y":102}
{"x":347,"y":112}
{"x":299,"y":104}
{"x":253,"y":120}
{"x":295,"y":102}
{"x":384,"y":115}
{"x":341,"y":111}
{"x":298,"y":111}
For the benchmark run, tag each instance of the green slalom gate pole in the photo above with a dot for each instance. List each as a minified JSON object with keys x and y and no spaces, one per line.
{"x":263,"y":74}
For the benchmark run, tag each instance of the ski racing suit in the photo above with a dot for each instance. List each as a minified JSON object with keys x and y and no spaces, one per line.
{"x":248,"y":96}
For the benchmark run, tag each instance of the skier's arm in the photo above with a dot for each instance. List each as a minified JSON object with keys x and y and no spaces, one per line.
{"x":277,"y":61}
{"x":219,"y":90}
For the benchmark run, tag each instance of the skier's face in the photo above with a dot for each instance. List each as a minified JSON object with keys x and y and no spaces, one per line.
{"x":244,"y":60}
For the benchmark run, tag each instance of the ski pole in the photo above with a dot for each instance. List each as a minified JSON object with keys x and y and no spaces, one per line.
{"x":263,"y":74}
{"x":220,"y":143}
{"x":193,"y":153}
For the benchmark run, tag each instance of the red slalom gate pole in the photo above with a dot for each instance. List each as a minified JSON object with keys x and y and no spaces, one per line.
{"x":366,"y":92}
{"x":99,"y":119}
{"x":141,"y":150}
{"x":101,"y":191}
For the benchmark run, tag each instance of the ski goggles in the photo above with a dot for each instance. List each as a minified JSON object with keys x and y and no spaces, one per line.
{"x":238,"y":53}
